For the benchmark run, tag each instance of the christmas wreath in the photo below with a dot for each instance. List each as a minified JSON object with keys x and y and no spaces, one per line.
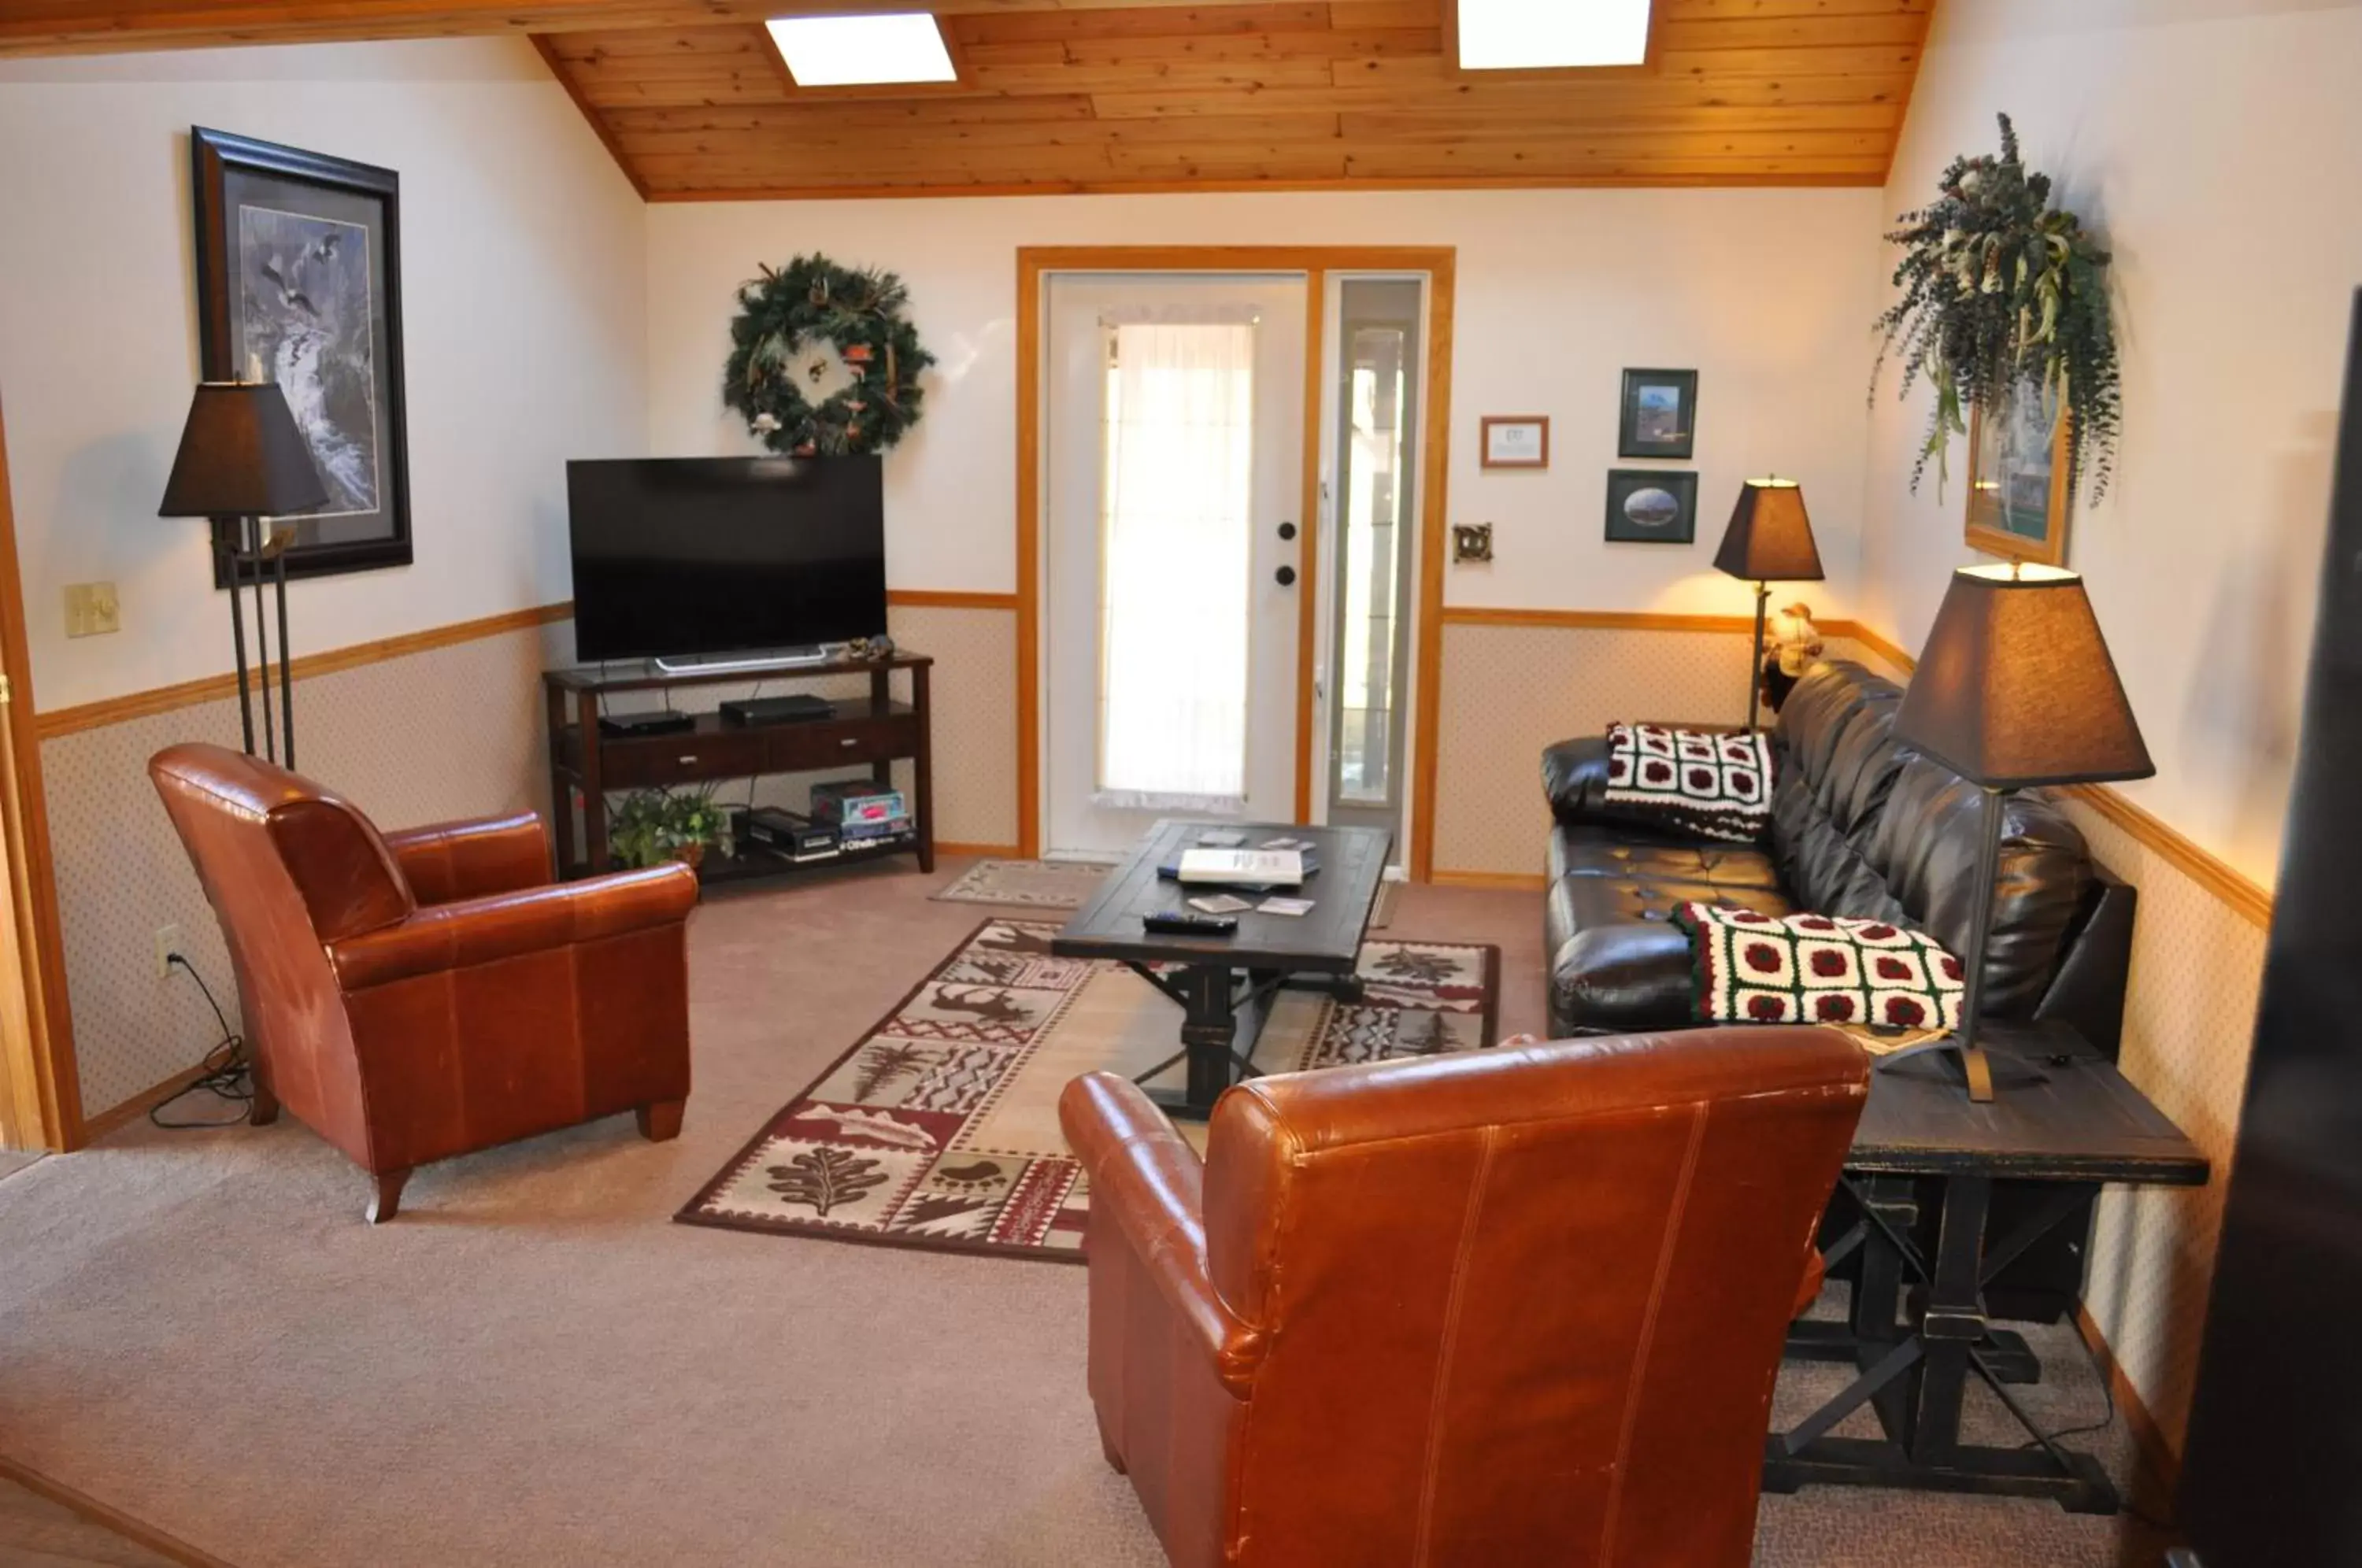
{"x":822,"y":360}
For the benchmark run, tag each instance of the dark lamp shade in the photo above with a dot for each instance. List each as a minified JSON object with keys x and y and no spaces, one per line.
{"x":241,"y":456}
{"x":1770,"y":538}
{"x":2015,"y":687}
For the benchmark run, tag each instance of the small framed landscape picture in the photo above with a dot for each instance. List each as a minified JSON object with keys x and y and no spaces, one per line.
{"x":1514,"y":440}
{"x":2017,"y":479}
{"x":1651,"y":506}
{"x":1659,"y":418}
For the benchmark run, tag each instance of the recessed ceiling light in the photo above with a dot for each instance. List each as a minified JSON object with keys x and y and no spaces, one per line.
{"x":848,"y":51}
{"x":1530,"y":35}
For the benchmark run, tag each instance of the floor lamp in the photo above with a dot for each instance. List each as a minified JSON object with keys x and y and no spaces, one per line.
{"x":242,"y":456}
{"x":2015,"y":689}
{"x":1769,"y":540}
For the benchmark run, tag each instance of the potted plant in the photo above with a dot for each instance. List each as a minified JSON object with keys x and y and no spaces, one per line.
{"x":649,"y":827}
{"x":2005,"y":295}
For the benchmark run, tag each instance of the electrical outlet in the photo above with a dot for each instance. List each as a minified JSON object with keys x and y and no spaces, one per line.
{"x":92,"y":608}
{"x":168,"y":945}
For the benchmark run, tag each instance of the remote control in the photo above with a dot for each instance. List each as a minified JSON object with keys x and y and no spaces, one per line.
{"x":1182,"y":922}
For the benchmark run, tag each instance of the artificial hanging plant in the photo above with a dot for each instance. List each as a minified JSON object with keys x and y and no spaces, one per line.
{"x":2002,"y":291}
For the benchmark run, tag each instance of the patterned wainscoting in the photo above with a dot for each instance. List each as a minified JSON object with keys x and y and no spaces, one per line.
{"x":450,"y":732}
{"x":1510,"y":690}
{"x":453,"y":731}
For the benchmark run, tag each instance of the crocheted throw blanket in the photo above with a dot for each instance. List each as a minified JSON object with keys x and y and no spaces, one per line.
{"x":1817,"y":969}
{"x":1712,"y":784}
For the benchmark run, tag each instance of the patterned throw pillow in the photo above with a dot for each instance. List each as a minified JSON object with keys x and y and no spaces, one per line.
{"x":1713,"y":785}
{"x":1817,"y":969}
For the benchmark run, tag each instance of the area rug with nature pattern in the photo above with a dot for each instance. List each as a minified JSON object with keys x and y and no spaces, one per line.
{"x":940,"y":1128}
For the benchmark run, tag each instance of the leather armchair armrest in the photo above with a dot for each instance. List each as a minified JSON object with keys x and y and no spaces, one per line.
{"x":478,"y":931}
{"x":1151,"y":1181}
{"x":447,"y":861}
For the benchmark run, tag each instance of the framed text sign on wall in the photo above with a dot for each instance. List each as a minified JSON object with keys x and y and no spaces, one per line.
{"x":299,"y":282}
{"x":1514,"y":440}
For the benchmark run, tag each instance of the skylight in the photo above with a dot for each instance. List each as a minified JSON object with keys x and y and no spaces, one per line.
{"x":1537,"y":35}
{"x":854,"y":52}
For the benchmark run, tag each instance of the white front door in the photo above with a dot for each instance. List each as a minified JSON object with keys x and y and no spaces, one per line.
{"x":1174,"y":469}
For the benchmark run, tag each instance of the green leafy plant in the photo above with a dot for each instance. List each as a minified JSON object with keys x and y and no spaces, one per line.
{"x":2004,"y":293}
{"x":649,"y":827}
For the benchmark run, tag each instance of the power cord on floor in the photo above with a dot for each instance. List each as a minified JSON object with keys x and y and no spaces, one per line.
{"x":2108,"y":1395}
{"x":225,"y":1073}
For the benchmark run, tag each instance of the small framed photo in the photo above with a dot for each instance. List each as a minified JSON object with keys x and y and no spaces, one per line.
{"x":1651,"y":506}
{"x":1515,"y":440}
{"x":2017,"y":479}
{"x":1659,"y":418}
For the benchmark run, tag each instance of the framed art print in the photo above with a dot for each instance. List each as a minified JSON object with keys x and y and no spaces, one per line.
{"x":1514,"y":440}
{"x":2017,"y":479}
{"x":1651,"y":506}
{"x":299,"y":282}
{"x":1660,"y":415}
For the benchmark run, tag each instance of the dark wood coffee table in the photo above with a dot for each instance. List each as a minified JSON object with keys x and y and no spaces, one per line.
{"x":1224,"y":985}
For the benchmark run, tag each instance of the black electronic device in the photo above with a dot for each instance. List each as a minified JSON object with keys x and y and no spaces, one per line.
{"x":657,"y":722}
{"x":784,"y":833}
{"x":1184,"y":923}
{"x":800,"y":708}
{"x":707,"y":556}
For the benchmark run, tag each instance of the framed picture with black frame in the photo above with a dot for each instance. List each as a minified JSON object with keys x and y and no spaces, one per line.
{"x":299,"y":282}
{"x":1660,"y":415}
{"x":1651,"y":506}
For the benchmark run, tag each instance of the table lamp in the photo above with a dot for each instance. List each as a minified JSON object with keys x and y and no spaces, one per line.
{"x":2015,"y":689}
{"x":1769,"y":540}
{"x":241,"y":456}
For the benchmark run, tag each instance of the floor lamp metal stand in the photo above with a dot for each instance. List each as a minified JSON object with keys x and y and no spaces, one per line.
{"x":242,"y":463}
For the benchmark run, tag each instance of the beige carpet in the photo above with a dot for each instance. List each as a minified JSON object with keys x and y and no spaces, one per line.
{"x":939,"y":1128}
{"x":532,"y":1366}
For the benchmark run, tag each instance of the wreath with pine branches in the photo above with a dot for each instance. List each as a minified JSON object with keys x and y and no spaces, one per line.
{"x":809,"y":322}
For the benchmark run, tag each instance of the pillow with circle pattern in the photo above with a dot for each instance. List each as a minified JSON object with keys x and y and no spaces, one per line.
{"x":1817,"y":969}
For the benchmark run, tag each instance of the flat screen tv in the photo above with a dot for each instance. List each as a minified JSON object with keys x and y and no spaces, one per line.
{"x":687,"y":557}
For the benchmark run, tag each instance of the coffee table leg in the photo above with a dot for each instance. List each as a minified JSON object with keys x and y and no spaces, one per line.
{"x":1220,"y":1022}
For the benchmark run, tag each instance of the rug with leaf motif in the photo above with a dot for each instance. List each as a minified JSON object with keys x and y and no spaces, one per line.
{"x":940,"y":1128}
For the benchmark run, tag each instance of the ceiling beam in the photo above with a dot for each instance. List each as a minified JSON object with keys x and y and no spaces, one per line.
{"x":98,"y":27}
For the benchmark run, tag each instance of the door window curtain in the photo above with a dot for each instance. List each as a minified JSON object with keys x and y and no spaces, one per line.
{"x":1176,"y":538}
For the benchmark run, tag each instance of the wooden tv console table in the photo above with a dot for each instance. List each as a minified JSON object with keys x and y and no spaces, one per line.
{"x":873,"y":730}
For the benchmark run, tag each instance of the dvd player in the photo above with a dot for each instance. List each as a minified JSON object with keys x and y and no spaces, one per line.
{"x":797,"y":709}
{"x":661,"y":721}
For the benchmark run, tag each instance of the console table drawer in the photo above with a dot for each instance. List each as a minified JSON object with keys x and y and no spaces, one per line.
{"x":796,"y":748}
{"x":684,"y":758}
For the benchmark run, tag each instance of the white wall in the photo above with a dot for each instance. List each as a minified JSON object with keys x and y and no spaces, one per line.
{"x":524,"y":293}
{"x":2216,"y":145}
{"x":1764,"y":292}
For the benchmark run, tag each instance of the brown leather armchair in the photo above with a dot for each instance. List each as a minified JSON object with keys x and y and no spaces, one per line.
{"x":1523,"y":1305}
{"x":418,"y":995}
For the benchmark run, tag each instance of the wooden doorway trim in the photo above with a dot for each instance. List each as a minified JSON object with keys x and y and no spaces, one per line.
{"x":40,"y":1099}
{"x":1034,"y":264}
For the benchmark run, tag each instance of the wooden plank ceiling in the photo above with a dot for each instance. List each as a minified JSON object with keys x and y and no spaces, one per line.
{"x":1307,"y":94}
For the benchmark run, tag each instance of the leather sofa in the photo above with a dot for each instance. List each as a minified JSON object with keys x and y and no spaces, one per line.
{"x":1861,"y":826}
{"x":1523,"y":1305}
{"x":418,"y":995}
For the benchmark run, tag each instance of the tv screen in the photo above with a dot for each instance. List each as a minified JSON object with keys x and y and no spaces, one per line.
{"x":679,"y":556}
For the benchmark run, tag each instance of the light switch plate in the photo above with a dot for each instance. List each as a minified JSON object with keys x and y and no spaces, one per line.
{"x":92,"y":608}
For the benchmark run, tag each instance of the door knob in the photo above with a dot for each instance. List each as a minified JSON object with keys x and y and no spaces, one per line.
{"x":1287,"y":530}
{"x":1286,"y":576}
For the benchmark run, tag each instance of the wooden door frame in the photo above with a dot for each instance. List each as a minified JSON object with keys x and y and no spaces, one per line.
{"x":1034,"y":265}
{"x":40,"y":1096}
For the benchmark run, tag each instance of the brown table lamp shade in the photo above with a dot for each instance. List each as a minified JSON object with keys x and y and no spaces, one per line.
{"x":1770,"y":538}
{"x":2015,"y":687}
{"x":241,"y":456}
